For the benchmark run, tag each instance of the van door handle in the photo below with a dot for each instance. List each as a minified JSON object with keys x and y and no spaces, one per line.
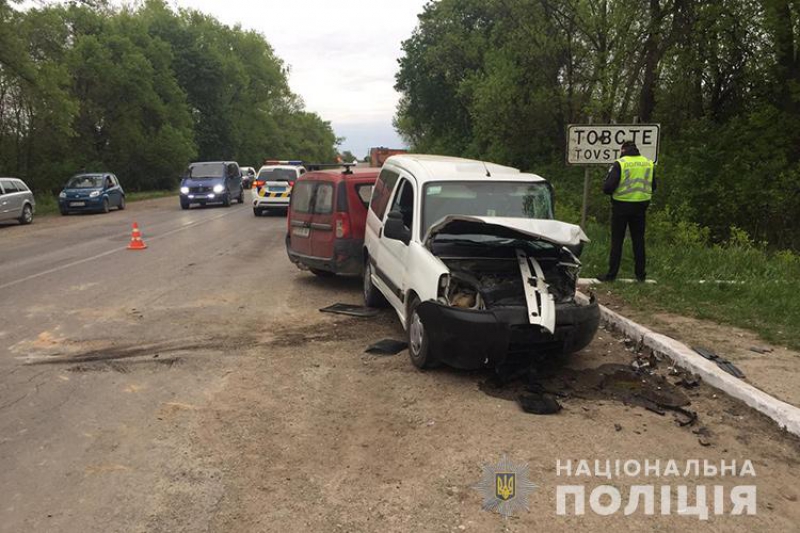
{"x":298,"y":224}
{"x":317,"y":225}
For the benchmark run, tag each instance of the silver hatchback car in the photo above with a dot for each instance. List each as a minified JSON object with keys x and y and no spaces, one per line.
{"x":16,"y":201}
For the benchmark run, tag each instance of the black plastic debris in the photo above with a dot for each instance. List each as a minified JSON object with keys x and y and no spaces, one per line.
{"x":387,"y":347}
{"x":539,"y":404}
{"x":704,"y":436}
{"x":351,"y":310}
{"x":689,"y":417}
{"x":724,"y":364}
{"x":689,"y":380}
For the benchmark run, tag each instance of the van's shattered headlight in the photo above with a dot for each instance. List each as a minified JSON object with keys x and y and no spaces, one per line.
{"x":460,"y":292}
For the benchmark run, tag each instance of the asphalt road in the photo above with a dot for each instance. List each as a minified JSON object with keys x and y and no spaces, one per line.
{"x":194,"y":386}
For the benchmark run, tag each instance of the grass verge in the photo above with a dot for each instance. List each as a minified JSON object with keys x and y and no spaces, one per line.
{"x":746,"y":284}
{"x":47,"y":205}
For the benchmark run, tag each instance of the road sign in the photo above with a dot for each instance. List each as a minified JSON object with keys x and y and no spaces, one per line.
{"x":597,"y":144}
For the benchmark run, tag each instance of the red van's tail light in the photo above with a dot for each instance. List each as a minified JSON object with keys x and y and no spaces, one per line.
{"x":342,"y":225}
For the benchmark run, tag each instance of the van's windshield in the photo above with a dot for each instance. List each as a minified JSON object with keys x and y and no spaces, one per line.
{"x":489,"y":198}
{"x":206,"y":170}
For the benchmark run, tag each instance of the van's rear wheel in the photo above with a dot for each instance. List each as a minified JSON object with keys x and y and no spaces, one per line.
{"x":372,"y":296}
{"x":418,"y":346}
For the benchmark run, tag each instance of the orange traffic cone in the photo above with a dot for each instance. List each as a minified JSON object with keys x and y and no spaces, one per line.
{"x":136,"y":239}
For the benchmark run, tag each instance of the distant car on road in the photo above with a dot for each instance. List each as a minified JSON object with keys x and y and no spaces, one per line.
{"x":248,"y":175}
{"x":212,"y":182}
{"x":16,"y":201}
{"x":326,"y":220}
{"x":273,"y":185}
{"x":95,"y":191}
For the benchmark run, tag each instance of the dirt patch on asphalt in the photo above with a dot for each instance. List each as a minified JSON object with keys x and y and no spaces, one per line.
{"x":317,"y":435}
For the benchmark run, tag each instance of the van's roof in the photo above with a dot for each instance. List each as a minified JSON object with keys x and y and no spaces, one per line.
{"x":288,"y":167}
{"x":438,"y":168}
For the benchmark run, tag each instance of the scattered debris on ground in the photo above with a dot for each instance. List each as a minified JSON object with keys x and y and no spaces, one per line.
{"x":351,"y":310}
{"x":539,"y":404}
{"x":641,"y":383}
{"x":724,"y":364}
{"x":387,"y":347}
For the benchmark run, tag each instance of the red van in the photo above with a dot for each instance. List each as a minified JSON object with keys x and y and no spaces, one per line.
{"x":326,"y":220}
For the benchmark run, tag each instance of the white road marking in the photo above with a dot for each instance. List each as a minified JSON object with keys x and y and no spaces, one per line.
{"x":109,"y":252}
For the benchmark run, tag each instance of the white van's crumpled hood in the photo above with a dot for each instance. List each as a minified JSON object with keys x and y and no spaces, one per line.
{"x":553,"y":231}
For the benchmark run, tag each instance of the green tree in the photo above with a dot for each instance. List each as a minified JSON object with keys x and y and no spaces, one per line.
{"x":500,"y":80}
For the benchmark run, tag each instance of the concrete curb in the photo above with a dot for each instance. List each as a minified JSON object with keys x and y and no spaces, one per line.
{"x":785,"y":415}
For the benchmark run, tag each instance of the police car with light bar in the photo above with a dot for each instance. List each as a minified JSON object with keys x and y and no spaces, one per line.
{"x":272,"y":186}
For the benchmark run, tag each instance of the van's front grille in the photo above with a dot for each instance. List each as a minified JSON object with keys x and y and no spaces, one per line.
{"x":200,"y":189}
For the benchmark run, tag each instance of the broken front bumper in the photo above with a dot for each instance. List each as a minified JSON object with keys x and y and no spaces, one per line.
{"x":474,"y":339}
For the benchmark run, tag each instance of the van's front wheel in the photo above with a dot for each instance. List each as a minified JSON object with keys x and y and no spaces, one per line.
{"x":418,"y":346}
{"x":372,"y":296}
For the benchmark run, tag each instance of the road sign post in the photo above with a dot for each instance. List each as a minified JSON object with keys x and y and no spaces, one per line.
{"x":599,"y":144}
{"x":586,"y":186}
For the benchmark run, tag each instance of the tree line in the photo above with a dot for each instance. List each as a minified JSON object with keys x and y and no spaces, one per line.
{"x":141,"y":91}
{"x":501,"y":80}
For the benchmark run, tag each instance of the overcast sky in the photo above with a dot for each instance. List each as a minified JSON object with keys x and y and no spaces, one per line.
{"x":342,"y":54}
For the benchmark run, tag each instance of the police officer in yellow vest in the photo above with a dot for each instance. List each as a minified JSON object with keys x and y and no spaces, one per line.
{"x":630,"y":183}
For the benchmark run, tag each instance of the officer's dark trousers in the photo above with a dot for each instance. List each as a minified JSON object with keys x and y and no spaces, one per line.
{"x":626,"y":215}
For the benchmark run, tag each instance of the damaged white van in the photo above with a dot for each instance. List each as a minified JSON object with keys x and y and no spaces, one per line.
{"x":469,"y":256}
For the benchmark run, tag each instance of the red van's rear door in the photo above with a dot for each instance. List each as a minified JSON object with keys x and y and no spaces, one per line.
{"x":301,"y":216}
{"x":322,"y":223}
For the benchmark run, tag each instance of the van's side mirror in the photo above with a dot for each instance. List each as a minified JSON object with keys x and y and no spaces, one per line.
{"x":395,"y":229}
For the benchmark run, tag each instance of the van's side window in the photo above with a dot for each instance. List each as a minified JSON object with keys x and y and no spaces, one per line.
{"x":404,"y":202}
{"x":302,"y":193}
{"x":323,"y":204}
{"x":383,"y":191}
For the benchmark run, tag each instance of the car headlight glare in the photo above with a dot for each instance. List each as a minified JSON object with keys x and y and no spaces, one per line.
{"x":94,"y":194}
{"x":62,"y":195}
{"x":184,"y":190}
{"x":219,"y":188}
